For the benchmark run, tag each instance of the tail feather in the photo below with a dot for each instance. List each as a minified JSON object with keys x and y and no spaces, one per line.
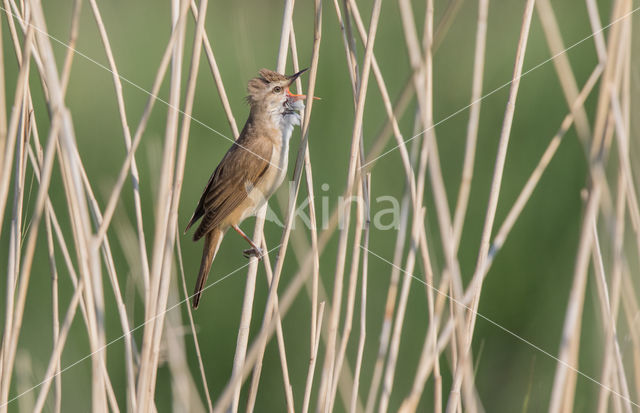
{"x":196,"y":216}
{"x":212,"y":242}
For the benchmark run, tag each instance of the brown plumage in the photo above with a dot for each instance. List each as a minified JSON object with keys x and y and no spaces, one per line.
{"x":251,"y":170}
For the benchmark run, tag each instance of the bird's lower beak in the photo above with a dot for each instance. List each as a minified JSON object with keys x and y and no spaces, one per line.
{"x":294,"y":96}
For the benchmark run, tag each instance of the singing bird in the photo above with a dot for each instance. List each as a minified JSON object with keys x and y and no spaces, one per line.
{"x":251,"y":170}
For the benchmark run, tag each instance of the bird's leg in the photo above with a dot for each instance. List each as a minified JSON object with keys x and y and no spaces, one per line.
{"x":254,"y":251}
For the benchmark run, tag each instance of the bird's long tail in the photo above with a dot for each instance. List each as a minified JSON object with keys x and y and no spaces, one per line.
{"x":212,"y":242}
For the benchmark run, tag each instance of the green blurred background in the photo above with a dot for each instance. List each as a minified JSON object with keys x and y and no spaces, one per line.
{"x":527,"y":288}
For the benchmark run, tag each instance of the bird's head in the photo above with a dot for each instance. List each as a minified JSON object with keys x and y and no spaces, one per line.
{"x":269,"y":93}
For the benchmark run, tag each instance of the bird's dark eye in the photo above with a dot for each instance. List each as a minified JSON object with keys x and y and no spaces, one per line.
{"x":277,"y":89}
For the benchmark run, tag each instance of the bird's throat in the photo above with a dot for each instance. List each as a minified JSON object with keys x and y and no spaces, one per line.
{"x":289,"y":117}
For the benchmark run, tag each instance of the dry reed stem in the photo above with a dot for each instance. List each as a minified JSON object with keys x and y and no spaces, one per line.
{"x":429,"y":144}
{"x":51,"y":221}
{"x":257,"y":369}
{"x":536,"y":175}
{"x":351,"y":294}
{"x":622,"y":136}
{"x":568,"y":352}
{"x":258,"y":236}
{"x":605,"y":308}
{"x":307,"y":162}
{"x":329,"y":362}
{"x":476,"y":283}
{"x":562,"y":398}
{"x":423,"y":113}
{"x":3,"y":103}
{"x":408,"y":90}
{"x":12,"y":134}
{"x":64,"y":249}
{"x":312,"y":361}
{"x":70,"y":168}
{"x":411,"y":402}
{"x":406,"y":163}
{"x":58,"y":346}
{"x":22,"y":138}
{"x":12,"y":11}
{"x":243,"y":329}
{"x":164,"y":272}
{"x":113,"y":278}
{"x":288,"y":390}
{"x":392,"y":291}
{"x":362,"y":196}
{"x":135,"y":176}
{"x":196,"y":343}
{"x":285,"y":303}
{"x":429,"y":356}
{"x":612,"y":357}
{"x":346,"y":378}
{"x":260,"y":341}
{"x":256,"y":351}
{"x":363,"y":299}
{"x":14,"y":313}
{"x":616,"y":270}
{"x":176,"y":36}
{"x":151,"y":294}
{"x":55,"y":313}
{"x":217,"y":77}
{"x":106,"y":250}
{"x":184,"y":390}
{"x":424,"y":91}
{"x":96,"y":214}
{"x":71,"y":44}
{"x":463,"y":364}
{"x":501,"y":155}
{"x":15,"y":230}
{"x":279,"y":331}
{"x":399,"y":319}
{"x":389,"y":305}
{"x":474,"y":120}
{"x":631,"y":308}
{"x":301,"y":247}
{"x":315,"y":321}
{"x":563,"y":67}
{"x":430,"y":149}
{"x":447,"y":332}
{"x":86,"y":251}
{"x":66,"y":74}
{"x":596,"y":28}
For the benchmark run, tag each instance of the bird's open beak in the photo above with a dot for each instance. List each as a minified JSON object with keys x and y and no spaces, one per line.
{"x":292,"y":79}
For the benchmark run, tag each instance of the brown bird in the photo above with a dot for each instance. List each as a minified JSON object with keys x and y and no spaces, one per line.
{"x":251,"y":170}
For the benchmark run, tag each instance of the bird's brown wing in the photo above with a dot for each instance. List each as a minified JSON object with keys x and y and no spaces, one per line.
{"x":241,"y":168}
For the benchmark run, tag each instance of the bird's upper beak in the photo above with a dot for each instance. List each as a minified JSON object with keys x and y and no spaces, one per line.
{"x":294,"y":76}
{"x":292,"y":79}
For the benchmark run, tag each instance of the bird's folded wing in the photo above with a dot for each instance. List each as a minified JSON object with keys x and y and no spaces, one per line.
{"x":241,"y":169}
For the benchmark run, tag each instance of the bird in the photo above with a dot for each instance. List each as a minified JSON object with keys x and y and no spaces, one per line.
{"x":251,"y":170}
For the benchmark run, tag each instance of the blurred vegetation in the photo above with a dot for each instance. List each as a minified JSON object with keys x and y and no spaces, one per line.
{"x":527,"y":288}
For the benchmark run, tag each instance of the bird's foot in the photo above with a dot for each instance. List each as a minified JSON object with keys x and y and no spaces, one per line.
{"x":253,"y":252}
